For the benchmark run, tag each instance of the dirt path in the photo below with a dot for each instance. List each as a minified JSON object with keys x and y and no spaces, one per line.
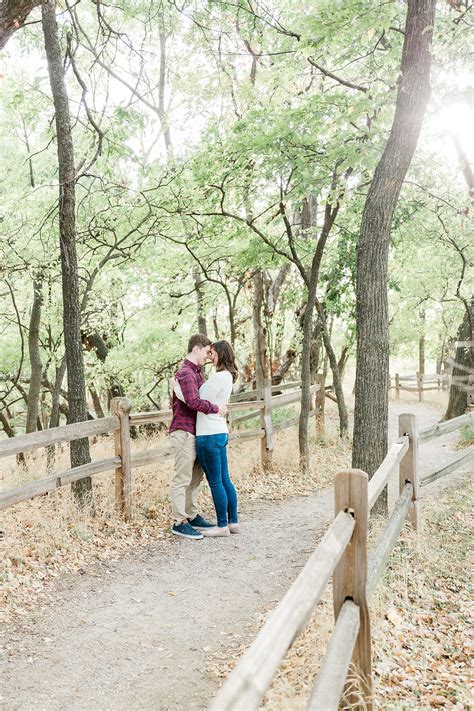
{"x":139,"y":633}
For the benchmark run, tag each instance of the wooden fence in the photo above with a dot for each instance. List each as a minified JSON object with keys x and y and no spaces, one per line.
{"x":342,"y":554}
{"x":420,"y":383}
{"x":124,"y":460}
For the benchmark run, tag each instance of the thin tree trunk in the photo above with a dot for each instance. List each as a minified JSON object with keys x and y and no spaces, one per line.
{"x":7,"y":427}
{"x":421,"y":344}
{"x":260,"y":345}
{"x":96,"y":401}
{"x":306,"y":366}
{"x":330,"y":214}
{"x":372,"y":373}
{"x":198,"y":287}
{"x":215,"y":325}
{"x":162,"y":113}
{"x":458,"y":392}
{"x":336,"y":380}
{"x":441,"y":353}
{"x":316,"y":343}
{"x":343,"y":358}
{"x":56,"y":393}
{"x":79,"y":449}
{"x":55,"y":410}
{"x":95,"y":342}
{"x":36,"y":366}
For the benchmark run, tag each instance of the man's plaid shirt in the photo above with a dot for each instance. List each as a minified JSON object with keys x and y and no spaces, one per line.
{"x":190,"y":378}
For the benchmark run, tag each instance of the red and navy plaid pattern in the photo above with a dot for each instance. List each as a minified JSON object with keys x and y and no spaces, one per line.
{"x":190,"y":378}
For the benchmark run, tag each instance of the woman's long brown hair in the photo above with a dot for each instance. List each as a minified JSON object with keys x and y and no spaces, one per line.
{"x":226,"y":358}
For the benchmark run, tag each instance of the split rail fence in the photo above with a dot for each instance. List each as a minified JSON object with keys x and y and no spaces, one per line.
{"x":124,"y":460}
{"x":420,"y":383}
{"x":342,"y":554}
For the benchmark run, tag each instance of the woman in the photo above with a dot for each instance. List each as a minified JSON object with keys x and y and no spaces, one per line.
{"x":212,"y":437}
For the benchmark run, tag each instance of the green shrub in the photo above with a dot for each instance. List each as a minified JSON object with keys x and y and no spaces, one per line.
{"x":466,"y":434}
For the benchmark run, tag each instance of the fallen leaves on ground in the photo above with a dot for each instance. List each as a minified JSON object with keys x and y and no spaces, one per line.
{"x":421,"y":617}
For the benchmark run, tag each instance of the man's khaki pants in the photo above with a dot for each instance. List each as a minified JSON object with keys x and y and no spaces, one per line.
{"x":186,"y":477}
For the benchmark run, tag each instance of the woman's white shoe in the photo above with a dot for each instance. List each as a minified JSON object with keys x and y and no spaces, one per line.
{"x":216,"y":531}
{"x":234,"y":528}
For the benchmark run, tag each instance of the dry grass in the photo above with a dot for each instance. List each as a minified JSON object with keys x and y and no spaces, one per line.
{"x":47,"y":536}
{"x":421,"y":619}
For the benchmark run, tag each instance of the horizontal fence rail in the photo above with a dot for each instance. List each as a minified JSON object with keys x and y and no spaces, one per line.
{"x":44,"y":486}
{"x":448,"y":468}
{"x":66,"y":433}
{"x":442,"y":428}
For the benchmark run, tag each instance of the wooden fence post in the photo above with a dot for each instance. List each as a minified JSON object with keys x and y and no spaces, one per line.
{"x":419,"y":380}
{"x":266,"y":443}
{"x":397,"y":386}
{"x":350,"y":578}
{"x":121,"y":406}
{"x":407,"y":425}
{"x":320,"y":403}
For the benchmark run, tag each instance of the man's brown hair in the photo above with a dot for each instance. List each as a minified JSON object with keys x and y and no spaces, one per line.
{"x":199,"y":339}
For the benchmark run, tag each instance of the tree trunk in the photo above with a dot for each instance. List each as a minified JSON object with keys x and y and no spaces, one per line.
{"x":306,"y":363}
{"x":343,"y":358}
{"x":201,"y":315}
{"x":67,"y":227}
{"x":56,"y":393}
{"x":35,"y":357}
{"x":330,"y":214}
{"x":260,"y":344}
{"x":315,"y":357}
{"x":162,"y":113}
{"x":95,"y":342}
{"x":55,"y":410}
{"x":372,"y":373}
{"x":96,"y":401}
{"x":341,"y":402}
{"x":441,"y":353}
{"x":7,"y":427}
{"x":459,"y":393}
{"x":421,"y":344}
{"x":13,"y":14}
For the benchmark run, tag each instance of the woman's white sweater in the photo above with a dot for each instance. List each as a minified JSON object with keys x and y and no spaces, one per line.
{"x":217,"y":389}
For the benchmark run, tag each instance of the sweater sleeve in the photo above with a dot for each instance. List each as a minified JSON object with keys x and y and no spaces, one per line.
{"x":224,"y":385}
{"x":190,"y":392}
{"x":178,"y":392}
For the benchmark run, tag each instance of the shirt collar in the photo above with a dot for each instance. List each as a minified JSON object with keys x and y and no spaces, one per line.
{"x":192,"y":365}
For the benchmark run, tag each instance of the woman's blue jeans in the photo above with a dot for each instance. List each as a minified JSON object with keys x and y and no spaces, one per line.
{"x":211,"y":452}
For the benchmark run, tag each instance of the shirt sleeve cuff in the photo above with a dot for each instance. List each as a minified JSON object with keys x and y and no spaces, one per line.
{"x":215,"y":409}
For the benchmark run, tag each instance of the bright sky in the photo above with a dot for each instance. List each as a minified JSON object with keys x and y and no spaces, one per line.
{"x":443,"y":121}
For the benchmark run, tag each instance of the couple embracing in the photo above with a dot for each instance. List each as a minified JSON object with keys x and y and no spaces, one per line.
{"x":199,"y":436}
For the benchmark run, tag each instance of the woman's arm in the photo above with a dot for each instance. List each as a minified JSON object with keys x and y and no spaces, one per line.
{"x":177,"y":389}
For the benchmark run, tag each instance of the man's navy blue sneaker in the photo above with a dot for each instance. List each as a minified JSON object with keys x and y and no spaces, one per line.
{"x":200,"y":522}
{"x":186,"y":531}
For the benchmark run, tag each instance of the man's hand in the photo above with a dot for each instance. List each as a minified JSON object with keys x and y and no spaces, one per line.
{"x":222,"y":412}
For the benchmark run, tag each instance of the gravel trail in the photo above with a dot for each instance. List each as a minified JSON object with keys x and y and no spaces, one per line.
{"x":138,"y":634}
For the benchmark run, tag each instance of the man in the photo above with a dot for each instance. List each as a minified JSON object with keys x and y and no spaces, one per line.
{"x":188,"y":474}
